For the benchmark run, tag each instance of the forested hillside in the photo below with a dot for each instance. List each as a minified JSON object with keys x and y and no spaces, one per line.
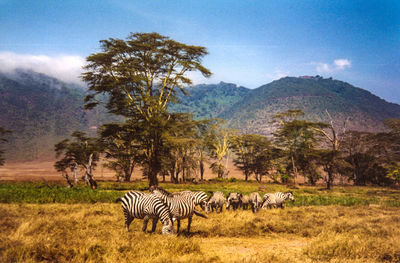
{"x":363,"y":110}
{"x":40,"y":111}
{"x":254,"y":109}
{"x":209,"y":101}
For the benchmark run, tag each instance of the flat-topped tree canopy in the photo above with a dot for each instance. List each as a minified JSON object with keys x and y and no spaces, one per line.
{"x":140,"y":74}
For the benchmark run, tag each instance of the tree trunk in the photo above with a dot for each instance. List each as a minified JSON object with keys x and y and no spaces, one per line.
{"x":294,"y":169}
{"x":201,"y":170}
{"x":155,"y":162}
{"x":75,"y":172}
{"x":68,"y":180}
{"x":88,"y":175}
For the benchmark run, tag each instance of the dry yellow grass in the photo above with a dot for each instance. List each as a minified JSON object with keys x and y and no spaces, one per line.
{"x":96,"y":233}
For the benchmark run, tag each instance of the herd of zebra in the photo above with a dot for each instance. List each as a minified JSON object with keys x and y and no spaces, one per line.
{"x":167,"y":207}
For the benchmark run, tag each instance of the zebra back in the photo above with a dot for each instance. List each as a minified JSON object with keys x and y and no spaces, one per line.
{"x":180,"y":205}
{"x":278,"y":198}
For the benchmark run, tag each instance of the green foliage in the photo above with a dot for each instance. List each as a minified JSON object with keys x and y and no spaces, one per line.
{"x":83,"y":152}
{"x":208,"y":101}
{"x":122,"y":149}
{"x":43,"y":193}
{"x":254,"y":154}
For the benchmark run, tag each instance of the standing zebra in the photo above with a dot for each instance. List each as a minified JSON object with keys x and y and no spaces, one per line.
{"x":216,"y":200}
{"x":233,"y":200}
{"x":255,"y":201}
{"x":276,"y":199}
{"x":244,"y":202}
{"x":200,"y":198}
{"x":145,"y":206}
{"x":181,"y":205}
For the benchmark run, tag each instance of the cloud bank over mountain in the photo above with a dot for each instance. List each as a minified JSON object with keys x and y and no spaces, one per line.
{"x":64,"y":67}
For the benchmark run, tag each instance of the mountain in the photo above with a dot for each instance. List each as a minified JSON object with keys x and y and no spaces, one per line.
{"x":40,"y":111}
{"x":255,"y":108}
{"x":209,"y":101}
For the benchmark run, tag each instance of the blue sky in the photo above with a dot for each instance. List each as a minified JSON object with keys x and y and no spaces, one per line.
{"x":250,"y":42}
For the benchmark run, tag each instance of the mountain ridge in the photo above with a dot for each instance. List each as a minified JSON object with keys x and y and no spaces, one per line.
{"x":42,"y":110}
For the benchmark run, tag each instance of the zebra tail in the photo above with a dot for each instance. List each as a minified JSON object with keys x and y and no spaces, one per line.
{"x":199,"y":214}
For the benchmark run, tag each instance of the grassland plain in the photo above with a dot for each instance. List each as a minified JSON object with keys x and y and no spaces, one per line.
{"x":350,"y":224}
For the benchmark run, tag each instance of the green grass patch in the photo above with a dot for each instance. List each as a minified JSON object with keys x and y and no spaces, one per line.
{"x":108,"y":192}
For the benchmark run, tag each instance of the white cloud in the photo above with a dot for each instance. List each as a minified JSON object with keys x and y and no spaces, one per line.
{"x":64,"y":67}
{"x":337,"y":65}
{"x":341,"y":64}
{"x":323,"y":67}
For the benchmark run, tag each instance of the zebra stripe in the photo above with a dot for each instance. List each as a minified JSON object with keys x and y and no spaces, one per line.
{"x":181,"y":205}
{"x":145,"y":206}
{"x":276,"y":199}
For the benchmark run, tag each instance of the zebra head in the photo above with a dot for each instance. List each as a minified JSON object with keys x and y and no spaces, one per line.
{"x":168,"y":228}
{"x":290,"y":196}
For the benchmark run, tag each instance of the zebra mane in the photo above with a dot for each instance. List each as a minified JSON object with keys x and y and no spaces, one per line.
{"x":161,"y":190}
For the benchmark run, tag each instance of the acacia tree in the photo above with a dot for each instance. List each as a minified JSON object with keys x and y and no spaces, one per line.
{"x":297,"y":138}
{"x":386,"y":149}
{"x":81,"y":152}
{"x":219,"y":147}
{"x":179,"y":156}
{"x":334,"y":137}
{"x":140,"y":75}
{"x":121,"y":146}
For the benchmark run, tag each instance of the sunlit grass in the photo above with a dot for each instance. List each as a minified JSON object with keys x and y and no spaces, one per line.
{"x":96,"y":233}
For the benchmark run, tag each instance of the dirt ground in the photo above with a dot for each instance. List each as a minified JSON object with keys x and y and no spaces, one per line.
{"x":43,"y":170}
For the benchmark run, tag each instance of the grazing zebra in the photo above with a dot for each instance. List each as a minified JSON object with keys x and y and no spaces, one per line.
{"x":233,"y":200}
{"x":181,"y":205}
{"x":276,"y":199}
{"x":255,"y":201}
{"x":216,"y":200}
{"x":145,"y":206}
{"x":244,"y":202}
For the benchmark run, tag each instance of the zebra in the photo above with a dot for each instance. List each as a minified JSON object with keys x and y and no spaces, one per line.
{"x":233,"y":200}
{"x":144,"y":206}
{"x":255,"y":201}
{"x":181,"y":205}
{"x":216,"y":200}
{"x":244,"y":201}
{"x":199,"y":197}
{"x":276,"y":199}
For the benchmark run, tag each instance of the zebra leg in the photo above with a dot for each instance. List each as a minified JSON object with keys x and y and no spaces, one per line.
{"x":153,"y":228}
{"x":178,"y":225}
{"x":145,"y":221}
{"x":128,"y":219}
{"x":189,"y":222}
